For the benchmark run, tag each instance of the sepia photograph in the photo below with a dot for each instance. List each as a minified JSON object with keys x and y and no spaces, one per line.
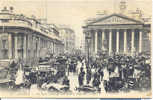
{"x":75,"y":48}
{"x":78,"y":99}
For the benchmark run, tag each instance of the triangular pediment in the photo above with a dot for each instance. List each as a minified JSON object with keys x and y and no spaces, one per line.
{"x":115,"y":19}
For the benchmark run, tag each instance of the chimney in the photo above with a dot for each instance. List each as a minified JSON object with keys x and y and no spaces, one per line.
{"x":11,"y":9}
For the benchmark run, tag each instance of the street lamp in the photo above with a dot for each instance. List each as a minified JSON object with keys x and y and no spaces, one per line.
{"x":88,"y":38}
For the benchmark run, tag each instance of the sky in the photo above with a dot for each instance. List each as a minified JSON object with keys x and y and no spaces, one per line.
{"x":73,"y":12}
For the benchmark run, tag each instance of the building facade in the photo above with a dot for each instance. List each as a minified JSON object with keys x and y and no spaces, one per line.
{"x":26,"y":38}
{"x":117,"y":33}
{"x":68,"y":37}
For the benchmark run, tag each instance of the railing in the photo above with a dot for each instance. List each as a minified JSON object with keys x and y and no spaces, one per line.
{"x":21,"y":23}
{"x":14,"y":23}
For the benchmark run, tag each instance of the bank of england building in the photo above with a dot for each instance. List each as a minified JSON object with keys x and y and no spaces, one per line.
{"x":26,"y":38}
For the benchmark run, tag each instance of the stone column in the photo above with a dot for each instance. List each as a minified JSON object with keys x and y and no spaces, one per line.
{"x":117,"y":41}
{"x":140,"y":41}
{"x":110,"y":42}
{"x":16,"y":46}
{"x":150,"y":36}
{"x":132,"y":41}
{"x":53,"y":48}
{"x":96,"y":37}
{"x":125,"y":41}
{"x":92,"y":42}
{"x":39,"y":46}
{"x":25,"y":47}
{"x":10,"y":45}
{"x":50,"y":48}
{"x":102,"y":39}
{"x":85,"y":33}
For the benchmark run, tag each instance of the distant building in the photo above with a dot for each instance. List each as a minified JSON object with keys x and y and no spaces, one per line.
{"x":67,"y":35}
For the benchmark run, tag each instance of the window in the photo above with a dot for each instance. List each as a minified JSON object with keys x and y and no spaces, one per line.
{"x":4,"y":51}
{"x":4,"y":44}
{"x":5,"y":20}
{"x":20,"y":42}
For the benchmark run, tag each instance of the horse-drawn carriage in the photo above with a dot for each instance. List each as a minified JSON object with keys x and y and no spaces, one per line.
{"x":61,"y":66}
{"x":55,"y":79}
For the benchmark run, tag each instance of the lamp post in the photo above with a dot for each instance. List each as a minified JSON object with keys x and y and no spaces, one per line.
{"x":88,"y":38}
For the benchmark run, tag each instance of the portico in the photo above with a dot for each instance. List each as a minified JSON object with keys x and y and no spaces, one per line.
{"x":116,"y":34}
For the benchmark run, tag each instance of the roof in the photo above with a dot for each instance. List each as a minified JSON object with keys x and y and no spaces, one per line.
{"x":32,"y":23}
{"x":122,"y":17}
{"x":65,"y":27}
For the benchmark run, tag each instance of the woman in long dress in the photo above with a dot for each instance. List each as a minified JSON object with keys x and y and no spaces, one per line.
{"x":19,"y":77}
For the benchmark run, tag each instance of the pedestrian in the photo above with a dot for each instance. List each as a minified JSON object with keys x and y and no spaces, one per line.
{"x":96,"y":80}
{"x":88,"y":75}
{"x":66,"y":81}
{"x":13,"y":70}
{"x":100,"y":71}
{"x":81,"y":77}
{"x":106,"y":86}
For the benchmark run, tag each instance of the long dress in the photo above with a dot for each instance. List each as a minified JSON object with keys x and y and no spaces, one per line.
{"x":19,"y":78}
{"x":79,"y":65}
{"x":106,"y":74}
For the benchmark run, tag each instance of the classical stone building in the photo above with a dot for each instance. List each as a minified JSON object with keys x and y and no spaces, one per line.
{"x":117,"y":33}
{"x":26,"y":38}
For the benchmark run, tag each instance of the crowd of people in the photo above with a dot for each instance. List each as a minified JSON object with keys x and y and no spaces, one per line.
{"x":117,"y":72}
{"x":114,"y":73}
